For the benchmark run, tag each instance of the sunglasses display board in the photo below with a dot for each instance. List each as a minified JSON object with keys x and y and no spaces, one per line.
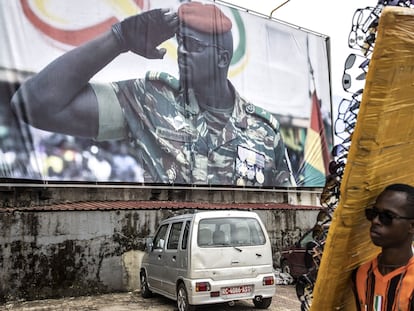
{"x":280,"y":70}
{"x":381,"y":153}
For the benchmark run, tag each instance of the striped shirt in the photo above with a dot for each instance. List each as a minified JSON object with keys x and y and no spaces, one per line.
{"x":393,"y":291}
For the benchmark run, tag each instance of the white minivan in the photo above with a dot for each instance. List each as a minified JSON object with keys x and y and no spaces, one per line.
{"x":210,"y":257}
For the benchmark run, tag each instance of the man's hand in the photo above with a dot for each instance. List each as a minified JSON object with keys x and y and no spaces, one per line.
{"x":142,"y":33}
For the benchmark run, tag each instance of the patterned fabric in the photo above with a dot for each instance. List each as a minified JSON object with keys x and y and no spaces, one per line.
{"x":391,"y":292}
{"x":177,"y":146}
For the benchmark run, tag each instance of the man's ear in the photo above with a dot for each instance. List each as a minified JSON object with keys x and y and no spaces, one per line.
{"x":224,"y":58}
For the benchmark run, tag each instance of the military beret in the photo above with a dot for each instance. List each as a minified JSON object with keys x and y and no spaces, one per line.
{"x":206,"y":18}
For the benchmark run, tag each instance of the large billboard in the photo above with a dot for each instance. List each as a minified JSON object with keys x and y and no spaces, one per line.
{"x":161,"y":92}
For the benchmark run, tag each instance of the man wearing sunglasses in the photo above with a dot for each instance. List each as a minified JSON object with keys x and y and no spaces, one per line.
{"x":194,"y":130}
{"x":387,"y":281}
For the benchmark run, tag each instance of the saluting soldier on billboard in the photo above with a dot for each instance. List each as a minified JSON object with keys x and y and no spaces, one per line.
{"x":196,"y":129}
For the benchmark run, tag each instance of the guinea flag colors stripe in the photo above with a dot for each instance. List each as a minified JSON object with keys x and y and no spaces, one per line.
{"x":316,"y":148}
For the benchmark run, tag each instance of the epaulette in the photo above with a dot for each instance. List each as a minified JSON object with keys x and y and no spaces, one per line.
{"x":164,"y":77}
{"x":264,"y":114}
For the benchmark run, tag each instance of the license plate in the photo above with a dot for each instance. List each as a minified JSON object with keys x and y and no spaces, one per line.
{"x":236,"y":290}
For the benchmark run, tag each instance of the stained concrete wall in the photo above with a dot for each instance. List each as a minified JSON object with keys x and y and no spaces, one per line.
{"x":53,"y":253}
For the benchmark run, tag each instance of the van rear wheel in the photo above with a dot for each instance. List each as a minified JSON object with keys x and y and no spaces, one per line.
{"x":263,"y":303}
{"x":182,"y":299}
{"x":145,"y":291}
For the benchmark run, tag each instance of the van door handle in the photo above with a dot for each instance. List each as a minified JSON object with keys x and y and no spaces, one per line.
{"x":174,"y":258}
{"x":159,"y":256}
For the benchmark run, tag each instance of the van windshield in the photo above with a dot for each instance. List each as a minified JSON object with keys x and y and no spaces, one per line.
{"x":234,"y":231}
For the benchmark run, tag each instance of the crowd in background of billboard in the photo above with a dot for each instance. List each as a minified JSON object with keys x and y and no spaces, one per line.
{"x":67,"y":158}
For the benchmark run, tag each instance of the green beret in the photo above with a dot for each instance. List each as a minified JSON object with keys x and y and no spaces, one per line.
{"x":206,"y":18}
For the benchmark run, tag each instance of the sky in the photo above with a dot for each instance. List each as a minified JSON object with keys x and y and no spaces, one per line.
{"x":326,"y":17}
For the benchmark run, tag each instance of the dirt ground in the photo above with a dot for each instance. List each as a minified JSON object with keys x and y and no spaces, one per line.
{"x":284,"y":300}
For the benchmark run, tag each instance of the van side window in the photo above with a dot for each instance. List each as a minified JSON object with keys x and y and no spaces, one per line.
{"x":184,"y":242}
{"x":174,"y":235}
{"x":159,"y":239}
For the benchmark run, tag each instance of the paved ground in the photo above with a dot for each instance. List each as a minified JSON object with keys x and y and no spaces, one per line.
{"x":284,"y":300}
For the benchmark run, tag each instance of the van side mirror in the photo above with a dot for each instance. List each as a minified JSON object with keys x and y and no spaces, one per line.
{"x":149,"y":244}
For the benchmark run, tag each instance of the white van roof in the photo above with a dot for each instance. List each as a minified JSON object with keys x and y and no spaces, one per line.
{"x":211,"y":214}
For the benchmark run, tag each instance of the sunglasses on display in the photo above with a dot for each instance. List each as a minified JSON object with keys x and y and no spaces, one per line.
{"x":194,"y":45}
{"x":346,"y":119}
{"x":339,"y":150}
{"x":347,"y":107}
{"x":329,"y":198}
{"x":363,"y":63}
{"x":337,"y":167}
{"x":344,"y":128}
{"x":364,"y":25}
{"x":404,"y":3}
{"x":350,"y":61}
{"x":346,"y":81}
{"x":385,"y":217}
{"x":366,"y":18}
{"x":357,"y":96}
{"x":349,"y":64}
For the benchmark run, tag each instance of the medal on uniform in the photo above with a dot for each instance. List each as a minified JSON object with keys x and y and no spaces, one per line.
{"x":251,"y":173}
{"x":260,"y":176}
{"x":242,"y":169}
{"x":249,"y":166}
{"x":171,"y":174}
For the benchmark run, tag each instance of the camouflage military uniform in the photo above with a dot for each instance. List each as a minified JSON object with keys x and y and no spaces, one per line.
{"x":174,"y":142}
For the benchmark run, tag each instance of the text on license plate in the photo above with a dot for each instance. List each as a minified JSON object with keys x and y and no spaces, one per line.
{"x":236,"y":290}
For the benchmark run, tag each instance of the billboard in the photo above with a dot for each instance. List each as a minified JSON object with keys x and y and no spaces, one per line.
{"x":191,"y":94}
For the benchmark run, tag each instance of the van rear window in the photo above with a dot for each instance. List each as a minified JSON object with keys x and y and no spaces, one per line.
{"x":234,"y":231}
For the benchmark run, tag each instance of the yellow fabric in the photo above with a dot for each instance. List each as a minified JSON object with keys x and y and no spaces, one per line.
{"x":381,"y":153}
{"x":313,"y":147}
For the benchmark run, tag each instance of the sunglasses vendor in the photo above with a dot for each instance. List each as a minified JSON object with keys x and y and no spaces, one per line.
{"x":387,"y":281}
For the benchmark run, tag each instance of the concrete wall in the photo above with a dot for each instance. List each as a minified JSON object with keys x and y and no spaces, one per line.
{"x":53,"y":253}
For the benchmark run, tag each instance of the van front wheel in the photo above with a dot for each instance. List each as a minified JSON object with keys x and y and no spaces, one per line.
{"x":263,"y":303}
{"x":182,"y":299}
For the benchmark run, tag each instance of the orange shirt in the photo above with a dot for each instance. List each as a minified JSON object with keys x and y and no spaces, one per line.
{"x":391,"y":292}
